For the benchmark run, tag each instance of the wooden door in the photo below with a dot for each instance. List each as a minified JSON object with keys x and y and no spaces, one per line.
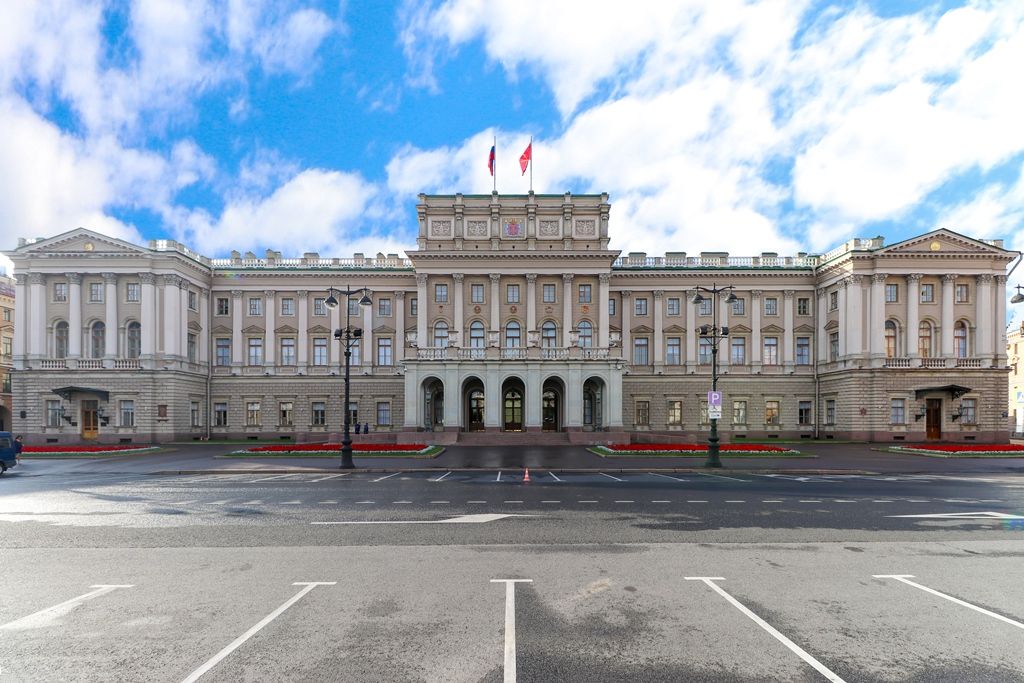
{"x":90,"y":419}
{"x":513,"y":411}
{"x":933,"y":418}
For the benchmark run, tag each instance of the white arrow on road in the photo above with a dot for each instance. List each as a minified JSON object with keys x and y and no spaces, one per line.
{"x":461,"y":519}
{"x":965,"y":515}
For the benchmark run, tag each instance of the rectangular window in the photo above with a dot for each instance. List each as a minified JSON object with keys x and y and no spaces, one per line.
{"x":255,"y":305}
{"x":833,"y":301}
{"x":803,"y":413}
{"x":898,"y":411}
{"x":384,"y":307}
{"x":384,"y":351}
{"x":441,"y":293}
{"x":284,"y":411}
{"x":354,"y":350}
{"x":414,"y":306}
{"x":833,"y":346}
{"x":220,"y":414}
{"x":830,"y":411}
{"x":223,"y":306}
{"x":127,"y":413}
{"x":771,"y":306}
{"x":476,"y":293}
{"x":548,"y":292}
{"x":193,"y":412}
{"x":969,"y":411}
{"x":803,"y":350}
{"x":96,"y":292}
{"x":771,"y":412}
{"x":320,"y":351}
{"x":319,"y":306}
{"x":674,"y":351}
{"x":705,"y":306}
{"x":7,"y":315}
{"x":640,"y":356}
{"x":611,"y":306}
{"x":771,"y":351}
{"x":60,"y":292}
{"x":191,"y":346}
{"x":318,"y":410}
{"x":252,"y":414}
{"x":287,"y":306}
{"x":739,"y":307}
{"x":287,"y":351}
{"x":353,"y":413}
{"x":675,"y":413}
{"x":739,"y":351}
{"x":704,"y":351}
{"x":193,"y":300}
{"x":353,"y":308}
{"x":586,"y":292}
{"x":927,"y":293}
{"x":53,"y":413}
{"x":892,"y":294}
{"x":803,"y":306}
{"x":963,"y":294}
{"x":512,"y":294}
{"x":256,"y":351}
{"x":703,"y":408}
{"x":223,"y":351}
{"x":133,"y":293}
{"x":640,"y":306}
{"x":643,"y":413}
{"x":673,"y":306}
{"x":383,"y":414}
{"x":739,"y":412}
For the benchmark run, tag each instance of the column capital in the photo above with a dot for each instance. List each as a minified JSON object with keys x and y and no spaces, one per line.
{"x":788,"y":293}
{"x":605,"y":278}
{"x":110,"y":278}
{"x":857,"y":280}
{"x":531,"y":278}
{"x":144,"y":278}
{"x":400,"y":295}
{"x":421,"y":278}
{"x":183,"y":283}
{"x":495,"y":278}
{"x":949,"y":277}
{"x":1000,"y":280}
{"x":625,"y":294}
{"x":985,"y":278}
{"x":567,"y":277}
{"x":36,"y":279}
{"x":914,"y":277}
{"x":269,"y":293}
{"x":302,"y":294}
{"x":75,"y":278}
{"x":458,"y":277}
{"x":879,"y":278}
{"x":236,"y":293}
{"x":821,"y":293}
{"x":20,"y":278}
{"x":658,"y":293}
{"x":169,"y":280}
{"x":755,"y":294}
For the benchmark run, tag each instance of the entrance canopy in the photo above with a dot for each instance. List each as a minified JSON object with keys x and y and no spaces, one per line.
{"x":954,"y":390}
{"x":67,"y":392}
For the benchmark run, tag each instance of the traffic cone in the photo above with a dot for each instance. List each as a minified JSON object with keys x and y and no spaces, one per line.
{"x":526,"y":476}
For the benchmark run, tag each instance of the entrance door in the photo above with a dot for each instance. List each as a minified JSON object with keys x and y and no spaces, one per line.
{"x":476,"y":411}
{"x":549,"y":411}
{"x":933,"y":418}
{"x":90,"y":420}
{"x":513,"y":410}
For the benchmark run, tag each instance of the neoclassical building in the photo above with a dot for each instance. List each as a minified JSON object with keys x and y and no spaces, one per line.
{"x":6,"y":349}
{"x":511,"y":315}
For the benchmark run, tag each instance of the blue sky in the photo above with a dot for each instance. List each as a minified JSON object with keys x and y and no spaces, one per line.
{"x":302,"y":125}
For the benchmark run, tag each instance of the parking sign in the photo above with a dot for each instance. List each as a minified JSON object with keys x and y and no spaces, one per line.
{"x":715,"y":399}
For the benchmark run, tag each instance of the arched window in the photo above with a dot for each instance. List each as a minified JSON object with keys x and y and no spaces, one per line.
{"x":924,"y":339}
{"x":441,"y":334}
{"x":960,"y":339}
{"x":60,"y":340}
{"x":890,"y":339}
{"x":512,"y":335}
{"x":548,"y":335}
{"x":133,"y":340}
{"x":586,"y":334}
{"x":476,"y":335}
{"x":97,"y":339}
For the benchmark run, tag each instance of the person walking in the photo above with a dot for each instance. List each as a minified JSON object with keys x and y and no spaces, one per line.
{"x":17,"y":447}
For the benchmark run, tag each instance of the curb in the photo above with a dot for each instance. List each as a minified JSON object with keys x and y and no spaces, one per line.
{"x":681,"y":470}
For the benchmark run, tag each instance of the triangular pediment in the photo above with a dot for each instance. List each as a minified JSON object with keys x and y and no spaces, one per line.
{"x":641,"y":329}
{"x":194,"y":326}
{"x":318,"y":329}
{"x":383,"y":329}
{"x":739,"y":329}
{"x":832,"y":325}
{"x":772,"y":329}
{"x":613,"y":328}
{"x":252,"y":329}
{"x":941,"y":241}
{"x":675,"y":328}
{"x":285,"y":329}
{"x":83,"y":242}
{"x":222,"y":329}
{"x":804,"y":328}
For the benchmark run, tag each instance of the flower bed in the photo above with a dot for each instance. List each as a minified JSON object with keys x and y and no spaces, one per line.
{"x":730,"y":449}
{"x":333,"y":449}
{"x":56,"y":449}
{"x":951,"y":450}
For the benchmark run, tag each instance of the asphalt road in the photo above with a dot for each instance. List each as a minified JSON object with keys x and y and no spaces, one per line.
{"x":637,"y":576}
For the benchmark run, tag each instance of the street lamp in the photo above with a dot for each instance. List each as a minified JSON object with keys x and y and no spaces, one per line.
{"x":1018,"y":297}
{"x":348,"y":337}
{"x":715,"y":334}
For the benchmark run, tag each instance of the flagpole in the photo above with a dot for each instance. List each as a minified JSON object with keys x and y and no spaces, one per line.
{"x":531,"y":163}
{"x":494,"y":175}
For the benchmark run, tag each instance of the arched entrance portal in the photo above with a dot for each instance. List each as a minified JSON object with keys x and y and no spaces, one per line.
{"x":593,"y":404}
{"x":433,"y":404}
{"x":473,"y":406}
{"x":512,"y":394}
{"x":552,"y":400}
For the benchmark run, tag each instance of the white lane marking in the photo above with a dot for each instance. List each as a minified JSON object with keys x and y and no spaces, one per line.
{"x":610,"y":476}
{"x":461,"y":519}
{"x":841,"y":500}
{"x":661,"y":501}
{"x":655,"y":474}
{"x":395,"y":474}
{"x":625,"y":501}
{"x":586,"y":501}
{"x":330,"y":476}
{"x":786,"y":476}
{"x":881,"y":501}
{"x":328,"y":502}
{"x":903,"y":578}
{"x":810,"y":501}
{"x":252,"y":502}
{"x":276,"y":476}
{"x":510,"y":626}
{"x":365,"y":502}
{"x":213,"y":661}
{"x":722,"y":476}
{"x":401,"y":502}
{"x":220,"y":502}
{"x":551,"y":501}
{"x":441,"y":477}
{"x":965,"y":515}
{"x":696,"y":501}
{"x":45,"y":616}
{"x":513,"y":501}
{"x":771,"y":501}
{"x":554,"y":477}
{"x":439,"y":502}
{"x":499,"y":476}
{"x":800,"y":652}
{"x":735,"y":501}
{"x":184,"y":502}
{"x":292,"y":502}
{"x":477,"y":502}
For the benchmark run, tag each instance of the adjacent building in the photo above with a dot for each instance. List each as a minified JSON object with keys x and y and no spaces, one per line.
{"x":1015,"y":353}
{"x":511,"y":315}
{"x":6,"y":349}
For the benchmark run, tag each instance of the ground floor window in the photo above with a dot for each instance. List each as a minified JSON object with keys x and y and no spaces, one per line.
{"x":53,"y":413}
{"x":969,"y":411}
{"x":803,"y":413}
{"x":675,"y":413}
{"x":319,"y":412}
{"x":220,"y":414}
{"x":285,"y":412}
{"x":193,"y":411}
{"x":739,"y":412}
{"x":353,"y":413}
{"x":383,"y":414}
{"x":643,"y":413}
{"x":704,"y":413}
{"x":771,"y":413}
{"x":830,"y":412}
{"x":252,"y":414}
{"x":128,"y":413}
{"x":898,"y":411}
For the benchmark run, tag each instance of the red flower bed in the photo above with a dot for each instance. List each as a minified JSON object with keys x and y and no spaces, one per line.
{"x":698,"y":447}
{"x":967,"y":448}
{"x":55,"y":448}
{"x":321,"y":447}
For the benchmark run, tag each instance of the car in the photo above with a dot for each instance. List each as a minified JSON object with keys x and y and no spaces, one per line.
{"x":8,"y":452}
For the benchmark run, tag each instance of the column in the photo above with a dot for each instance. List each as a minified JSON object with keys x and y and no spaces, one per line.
{"x":183,"y":320}
{"x":787,"y":329}
{"x":947,"y":315}
{"x":269,"y":323}
{"x":400,"y":326}
{"x":603,"y":318}
{"x":626,"y":300}
{"x":495,"y":301}
{"x":75,"y":315}
{"x":369,"y":355}
{"x":567,"y":324}
{"x":756,"y":352}
{"x":843,"y":328}
{"x":913,"y":316}
{"x":412,"y":407}
{"x":723,"y":321}
{"x":21,"y":303}
{"x":339,"y":355}
{"x":302,"y":337}
{"x":1000,"y":326}
{"x":458,"y":313}
{"x":659,"y":329}
{"x":820,"y":332}
{"x":532,"y":400}
{"x":172,"y":316}
{"x":855,"y":315}
{"x":691,"y":334}
{"x":204,"y":320}
{"x":612,"y":400}
{"x":984,"y":325}
{"x":237,"y":350}
{"x":574,"y":398}
{"x":531,"y":304}
{"x":492,"y":397}
{"x":148,"y":321}
{"x":876,"y":325}
{"x":37,"y":317}
{"x":423,"y":311}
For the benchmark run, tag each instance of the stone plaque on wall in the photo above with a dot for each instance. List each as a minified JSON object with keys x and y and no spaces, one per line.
{"x":440,"y":228}
{"x":476,"y":228}
{"x":586,"y":227}
{"x":550,"y":229}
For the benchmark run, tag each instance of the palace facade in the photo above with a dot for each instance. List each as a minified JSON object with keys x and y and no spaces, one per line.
{"x":511,"y":315}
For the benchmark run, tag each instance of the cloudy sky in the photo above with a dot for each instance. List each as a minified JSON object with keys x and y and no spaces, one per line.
{"x":719,"y":125}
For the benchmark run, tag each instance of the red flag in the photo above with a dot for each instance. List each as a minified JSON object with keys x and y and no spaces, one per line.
{"x":524,"y":160}
{"x":490,"y":160}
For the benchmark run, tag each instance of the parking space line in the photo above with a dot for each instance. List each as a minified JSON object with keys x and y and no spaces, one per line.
{"x":213,"y":661}
{"x":441,"y":477}
{"x":252,"y":502}
{"x":292,"y":502}
{"x":276,"y":476}
{"x":220,"y":502}
{"x":610,"y":476}
{"x":656,"y":474}
{"x":510,"y":626}
{"x":394,"y":474}
{"x":513,"y":501}
{"x":903,"y":578}
{"x":722,"y":476}
{"x":554,"y":477}
{"x":800,"y":652}
{"x":329,"y":476}
{"x":41,"y":617}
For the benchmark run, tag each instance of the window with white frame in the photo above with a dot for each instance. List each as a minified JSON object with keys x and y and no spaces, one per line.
{"x":252,"y":414}
{"x":414,"y":306}
{"x":60,"y":292}
{"x":586,"y":334}
{"x":702,"y":407}
{"x":320,"y":351}
{"x":133,"y":340}
{"x":284,"y":413}
{"x":318,"y":413}
{"x":287,"y":306}
{"x":355,"y":351}
{"x":927,"y":293}
{"x":512,"y":294}
{"x":890,"y":339}
{"x":53,"y":413}
{"x":513,"y":337}
{"x":924,"y":339}
{"x":193,"y":300}
{"x":833,"y":346}
{"x":803,"y":306}
{"x":127,"y":413}
{"x":476,"y":293}
{"x":97,"y":339}
{"x":476,"y":335}
{"x":319,"y":306}
{"x":963,"y":294}
{"x":384,"y":307}
{"x":704,"y":348}
{"x":383,"y":413}
{"x":803,"y":350}
{"x":640,"y":356}
{"x":255,"y":345}
{"x":440,"y":334}
{"x":739,"y":306}
{"x":548,"y":335}
{"x":674,"y":351}
{"x":60,"y":339}
{"x":675,"y":413}
{"x":223,"y":306}
{"x":611,"y":306}
{"x":640,"y":306}
{"x":95,"y":292}
{"x":287,"y":351}
{"x":969,"y":411}
{"x":191,"y":347}
{"x":133,"y":293}
{"x":892,"y":293}
{"x":440,"y":293}
{"x":830,"y":411}
{"x":384,"y":356}
{"x":771,"y":351}
{"x":738,"y":351}
{"x":739,"y":412}
{"x":897,"y":411}
{"x":193,"y":413}
{"x":643,"y":413}
{"x":673,"y":306}
{"x":833,"y":301}
{"x":548,"y":293}
{"x":771,"y":305}
{"x":255,"y":305}
{"x":960,"y":339}
{"x":585,"y":294}
{"x":804,"y":414}
{"x":222,"y":351}
{"x":705,"y":307}
{"x":220,"y":414}
{"x":772,"y":414}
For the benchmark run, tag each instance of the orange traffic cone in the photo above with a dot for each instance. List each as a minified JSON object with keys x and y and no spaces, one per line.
{"x":526,"y":476}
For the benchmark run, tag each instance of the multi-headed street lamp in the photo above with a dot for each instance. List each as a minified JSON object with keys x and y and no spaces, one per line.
{"x":348,"y":337}
{"x":715,"y":334}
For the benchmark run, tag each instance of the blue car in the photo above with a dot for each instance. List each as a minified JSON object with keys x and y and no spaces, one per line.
{"x":8,"y":452}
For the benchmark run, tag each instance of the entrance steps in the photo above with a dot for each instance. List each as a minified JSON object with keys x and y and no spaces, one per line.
{"x":513,"y":439}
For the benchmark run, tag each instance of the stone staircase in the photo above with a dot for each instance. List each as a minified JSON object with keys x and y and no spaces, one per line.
{"x":513,"y":439}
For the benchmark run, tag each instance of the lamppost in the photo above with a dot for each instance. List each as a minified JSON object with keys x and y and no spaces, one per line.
{"x":348,"y":337}
{"x":715,"y":334}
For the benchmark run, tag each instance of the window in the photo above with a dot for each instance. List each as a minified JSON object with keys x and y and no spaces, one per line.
{"x":771,"y":413}
{"x":640,"y":306}
{"x":643,"y":413}
{"x":674,"y":351}
{"x":703,"y":409}
{"x":548,"y":335}
{"x":384,"y":356}
{"x":830,"y":411}
{"x":833,"y":346}
{"x":96,"y":292}
{"x":640,"y":351}
{"x":287,"y":306}
{"x":771,"y":306}
{"x":252,"y":414}
{"x":255,"y":305}
{"x":803,"y":350}
{"x":133,"y":293}
{"x":675,"y":413}
{"x":7,"y":315}
{"x":927,"y":293}
{"x":222,"y":348}
{"x":284,"y":411}
{"x":898,"y":411}
{"x":476,"y":293}
{"x":6,"y":349}
{"x":969,"y":411}
{"x":220,"y":414}
{"x":739,"y":412}
{"x":611,"y":306}
{"x":353,"y":413}
{"x":60,"y":340}
{"x":803,"y":306}
{"x":320,"y":351}
{"x":803,"y":413}
{"x":890,"y":339}
{"x":892,"y":294}
{"x":441,"y":293}
{"x":60,"y":292}
{"x":960,"y":339}
{"x":704,"y":351}
{"x":512,"y":335}
{"x":318,"y":410}
{"x":739,"y":307}
{"x":476,"y":335}
{"x":833,"y":301}
{"x":127,"y":413}
{"x":97,"y":339}
{"x":193,"y":301}
{"x":739,"y":351}
{"x":963,"y":294}
{"x":287,"y":351}
{"x":673,"y":306}
{"x":383,"y":414}
{"x":924,"y":339}
{"x":190,"y":347}
{"x":355,"y":352}
{"x":705,"y":306}
{"x":353,"y":308}
{"x":53,"y":413}
{"x":384,"y":307}
{"x":586,"y":334}
{"x":319,"y":306}
{"x":771,"y":351}
{"x":223,"y":306}
{"x":193,"y":413}
{"x":255,"y":351}
{"x":441,"y":334}
{"x":549,"y":294}
{"x":414,"y":306}
{"x":585,"y":293}
{"x":512,"y":294}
